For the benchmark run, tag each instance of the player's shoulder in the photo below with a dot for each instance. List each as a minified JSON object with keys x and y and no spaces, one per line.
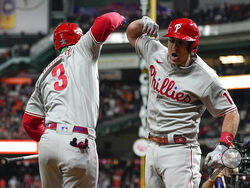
{"x":87,"y":45}
{"x":153,"y":45}
{"x":88,"y":37}
{"x":205,"y":69}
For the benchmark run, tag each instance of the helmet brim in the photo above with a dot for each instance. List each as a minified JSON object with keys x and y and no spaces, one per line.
{"x":179,"y":36}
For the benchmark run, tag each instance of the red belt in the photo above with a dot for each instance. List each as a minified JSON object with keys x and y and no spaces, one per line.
{"x":77,"y":129}
{"x":164,"y":140}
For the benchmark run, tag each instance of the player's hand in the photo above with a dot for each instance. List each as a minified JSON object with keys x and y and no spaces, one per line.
{"x":150,"y":27}
{"x":226,"y":172}
{"x":213,"y":159}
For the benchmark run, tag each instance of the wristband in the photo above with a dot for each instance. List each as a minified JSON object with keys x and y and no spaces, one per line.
{"x":226,"y":138}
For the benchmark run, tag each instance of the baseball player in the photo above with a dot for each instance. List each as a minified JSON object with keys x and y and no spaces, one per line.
{"x":63,"y":110}
{"x":181,"y":87}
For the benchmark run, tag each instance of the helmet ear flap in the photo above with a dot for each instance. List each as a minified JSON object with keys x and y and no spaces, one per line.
{"x":194,"y":47}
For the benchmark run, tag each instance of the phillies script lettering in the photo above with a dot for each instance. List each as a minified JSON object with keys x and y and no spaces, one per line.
{"x":166,"y":88}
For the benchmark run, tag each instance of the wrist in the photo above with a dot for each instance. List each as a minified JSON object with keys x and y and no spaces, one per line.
{"x":226,"y":138}
{"x":224,"y":144}
{"x":213,"y":181}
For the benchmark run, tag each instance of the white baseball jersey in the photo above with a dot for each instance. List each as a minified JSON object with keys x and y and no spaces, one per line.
{"x":67,"y":91}
{"x":178,"y":96}
{"x":67,"y":96}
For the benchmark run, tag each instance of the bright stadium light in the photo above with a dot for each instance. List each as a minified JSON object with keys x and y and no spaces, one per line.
{"x":236,"y":81}
{"x":18,"y":147}
{"x":232,"y":59}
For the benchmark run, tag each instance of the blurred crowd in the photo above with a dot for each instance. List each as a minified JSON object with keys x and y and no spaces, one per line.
{"x":119,"y":173}
{"x":216,"y":14}
{"x":219,"y":14}
{"x":117,"y":99}
{"x":85,"y":16}
{"x":12,"y":104}
{"x":20,"y":175}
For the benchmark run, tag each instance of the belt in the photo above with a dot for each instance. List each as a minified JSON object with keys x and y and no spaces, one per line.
{"x":77,"y":129}
{"x":164,"y":140}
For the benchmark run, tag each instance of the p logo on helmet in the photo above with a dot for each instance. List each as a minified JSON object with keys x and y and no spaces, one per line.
{"x":185,"y":29}
{"x":177,"y":27}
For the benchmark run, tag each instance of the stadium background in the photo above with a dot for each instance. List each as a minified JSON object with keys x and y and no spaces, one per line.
{"x":26,"y":47}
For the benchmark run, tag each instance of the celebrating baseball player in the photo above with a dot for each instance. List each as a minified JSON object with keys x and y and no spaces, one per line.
{"x":63,"y":110}
{"x":181,"y":87}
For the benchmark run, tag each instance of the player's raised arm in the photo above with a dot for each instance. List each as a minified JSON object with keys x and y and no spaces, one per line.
{"x":105,"y":24}
{"x":141,"y":26}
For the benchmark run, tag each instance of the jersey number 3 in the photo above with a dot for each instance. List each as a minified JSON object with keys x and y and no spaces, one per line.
{"x":62,"y":78}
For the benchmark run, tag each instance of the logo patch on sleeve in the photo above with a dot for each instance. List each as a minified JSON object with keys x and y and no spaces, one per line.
{"x":63,"y":41}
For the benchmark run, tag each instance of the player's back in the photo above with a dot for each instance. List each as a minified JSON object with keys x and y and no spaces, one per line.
{"x":69,"y":86}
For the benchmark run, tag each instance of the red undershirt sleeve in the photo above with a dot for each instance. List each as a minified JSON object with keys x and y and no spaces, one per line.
{"x":34,"y":126}
{"x":105,"y":24}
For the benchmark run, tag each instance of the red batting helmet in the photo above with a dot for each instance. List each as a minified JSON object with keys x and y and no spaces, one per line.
{"x":185,"y":29}
{"x":66,"y":34}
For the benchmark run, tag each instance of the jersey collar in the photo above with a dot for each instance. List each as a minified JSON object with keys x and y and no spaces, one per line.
{"x":64,"y":49}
